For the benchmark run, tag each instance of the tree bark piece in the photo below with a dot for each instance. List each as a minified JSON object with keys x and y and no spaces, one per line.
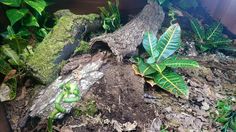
{"x":125,"y":40}
{"x":60,"y":43}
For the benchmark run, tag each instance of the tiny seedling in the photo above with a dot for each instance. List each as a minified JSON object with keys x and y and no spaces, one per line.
{"x":70,"y":94}
{"x":157,"y":66}
{"x":209,"y":38}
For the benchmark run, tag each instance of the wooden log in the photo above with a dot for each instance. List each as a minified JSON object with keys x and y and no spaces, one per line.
{"x":125,"y":40}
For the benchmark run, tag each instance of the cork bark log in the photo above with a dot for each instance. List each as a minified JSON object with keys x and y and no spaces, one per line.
{"x":125,"y":40}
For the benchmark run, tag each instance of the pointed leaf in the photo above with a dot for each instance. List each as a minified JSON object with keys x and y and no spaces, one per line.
{"x":198,"y":29}
{"x":15,"y":15}
{"x":11,"y":54}
{"x":214,"y":31}
{"x":172,"y":83}
{"x":30,"y":21}
{"x":38,"y":5}
{"x":13,"y":3}
{"x":144,"y":68}
{"x":150,"y":44}
{"x":219,"y":41}
{"x":169,"y":42}
{"x":158,"y":67}
{"x":180,"y":63}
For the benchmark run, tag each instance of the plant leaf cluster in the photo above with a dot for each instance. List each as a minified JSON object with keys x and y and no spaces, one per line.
{"x":209,"y":38}
{"x":157,"y":66}
{"x":226,"y":114}
{"x":13,"y":55}
{"x":26,"y":17}
{"x":110,"y":16}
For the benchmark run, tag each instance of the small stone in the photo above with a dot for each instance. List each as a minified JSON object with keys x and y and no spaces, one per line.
{"x":205,"y":106}
{"x":168,"y":109}
{"x":5,"y":92}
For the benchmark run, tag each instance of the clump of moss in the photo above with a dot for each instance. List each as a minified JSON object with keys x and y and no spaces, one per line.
{"x":83,"y":48}
{"x":42,"y":62}
{"x":88,"y":109}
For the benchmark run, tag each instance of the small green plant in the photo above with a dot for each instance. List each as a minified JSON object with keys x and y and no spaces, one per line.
{"x":226,"y":114}
{"x":83,"y":48}
{"x":157,"y":65}
{"x":89,"y":108}
{"x":111,"y":16}
{"x":70,"y":94}
{"x":25,"y":17}
{"x":13,"y":55}
{"x":210,"y":37}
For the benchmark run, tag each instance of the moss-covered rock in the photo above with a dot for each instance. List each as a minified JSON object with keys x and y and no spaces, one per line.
{"x":59,"y":44}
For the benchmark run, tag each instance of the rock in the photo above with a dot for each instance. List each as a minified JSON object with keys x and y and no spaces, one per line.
{"x":59,"y":44}
{"x":205,"y":106}
{"x":5,"y":93}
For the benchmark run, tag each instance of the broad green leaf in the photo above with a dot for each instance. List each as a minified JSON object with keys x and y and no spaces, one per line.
{"x":150,"y":44}
{"x":219,"y":41}
{"x":11,"y":54}
{"x":172,"y":83}
{"x":144,"y":68}
{"x":214,"y":31}
{"x":169,"y":42}
{"x":198,"y":29}
{"x":13,"y":3}
{"x":30,"y":21}
{"x":180,"y":63}
{"x":15,"y":15}
{"x":158,"y":67}
{"x":38,"y":5}
{"x":5,"y":68}
{"x":151,"y":60}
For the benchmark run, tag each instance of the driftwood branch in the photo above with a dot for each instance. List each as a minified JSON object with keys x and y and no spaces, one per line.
{"x":125,"y":40}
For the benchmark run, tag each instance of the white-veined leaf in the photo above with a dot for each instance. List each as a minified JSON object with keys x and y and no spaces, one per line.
{"x":150,"y":44}
{"x":214,"y":31}
{"x":172,"y":82}
{"x":180,"y":63}
{"x":198,"y":29}
{"x":169,"y":42}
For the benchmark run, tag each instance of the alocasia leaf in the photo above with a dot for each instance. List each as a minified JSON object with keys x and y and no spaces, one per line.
{"x":214,"y":31}
{"x":150,"y":44}
{"x":198,"y":29}
{"x":169,"y":42}
{"x":144,"y":68}
{"x":172,"y":82}
{"x":179,"y":63}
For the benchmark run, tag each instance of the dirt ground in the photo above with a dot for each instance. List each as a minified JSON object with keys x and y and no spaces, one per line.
{"x":125,"y":103}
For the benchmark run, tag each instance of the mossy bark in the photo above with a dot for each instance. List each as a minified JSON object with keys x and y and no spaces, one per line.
{"x":60,"y":43}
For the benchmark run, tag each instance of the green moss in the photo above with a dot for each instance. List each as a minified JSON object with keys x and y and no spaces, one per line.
{"x":83,"y":48}
{"x":88,"y":108}
{"x":42,"y":62}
